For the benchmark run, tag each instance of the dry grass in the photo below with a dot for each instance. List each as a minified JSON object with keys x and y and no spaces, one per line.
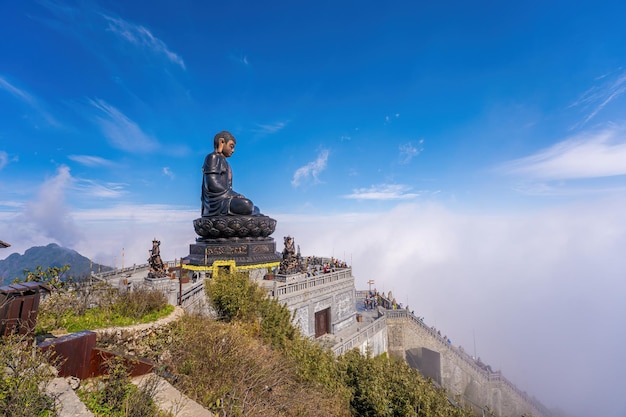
{"x":233,"y":373}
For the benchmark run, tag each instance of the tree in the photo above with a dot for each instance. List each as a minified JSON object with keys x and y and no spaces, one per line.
{"x":53,"y":276}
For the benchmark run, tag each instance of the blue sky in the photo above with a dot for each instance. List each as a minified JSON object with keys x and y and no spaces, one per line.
{"x":445,"y":149}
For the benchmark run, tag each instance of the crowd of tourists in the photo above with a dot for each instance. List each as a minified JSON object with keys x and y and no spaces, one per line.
{"x":317,"y":266}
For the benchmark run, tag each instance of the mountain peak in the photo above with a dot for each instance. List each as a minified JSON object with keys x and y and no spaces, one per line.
{"x":51,"y":255}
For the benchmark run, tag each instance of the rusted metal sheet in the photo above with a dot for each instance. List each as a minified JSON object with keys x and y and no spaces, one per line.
{"x":19,"y":304}
{"x":101,"y":360}
{"x":76,"y":355}
{"x":72,"y":353}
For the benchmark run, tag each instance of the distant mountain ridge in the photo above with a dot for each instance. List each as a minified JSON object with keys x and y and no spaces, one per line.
{"x":48,"y":256}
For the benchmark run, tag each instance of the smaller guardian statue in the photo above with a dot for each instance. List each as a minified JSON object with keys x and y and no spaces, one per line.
{"x":292,"y":261}
{"x":157,"y":268}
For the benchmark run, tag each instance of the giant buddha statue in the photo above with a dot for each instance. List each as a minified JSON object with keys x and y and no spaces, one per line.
{"x":227,"y":214}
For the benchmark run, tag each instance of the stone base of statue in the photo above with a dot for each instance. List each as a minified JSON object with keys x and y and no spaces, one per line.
{"x":244,"y":239}
{"x":241,"y":251}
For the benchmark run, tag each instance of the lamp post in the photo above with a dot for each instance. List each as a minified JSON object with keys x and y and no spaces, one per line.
{"x":370,"y":282}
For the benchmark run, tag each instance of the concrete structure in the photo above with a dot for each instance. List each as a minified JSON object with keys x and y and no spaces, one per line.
{"x":327,"y":307}
{"x":476,"y":386}
{"x":321,"y":304}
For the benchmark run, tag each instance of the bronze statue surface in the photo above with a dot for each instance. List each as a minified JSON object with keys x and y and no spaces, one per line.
{"x":226,"y":214}
{"x":157,"y":267}
{"x":292,"y":261}
{"x":218,"y":196}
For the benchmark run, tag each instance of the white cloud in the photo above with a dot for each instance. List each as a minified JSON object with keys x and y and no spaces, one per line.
{"x":141,"y":37}
{"x":312,"y":170}
{"x":408,"y":151}
{"x":512,"y":283}
{"x":588,"y":155}
{"x":518,"y":282}
{"x":11,"y":204}
{"x":91,"y":161}
{"x":133,"y":227}
{"x":168,"y":172}
{"x":48,"y":214}
{"x":383,"y":192}
{"x":109,"y":229}
{"x":121,"y":132}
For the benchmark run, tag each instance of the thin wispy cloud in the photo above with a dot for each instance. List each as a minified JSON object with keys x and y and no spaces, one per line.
{"x":153,"y":214}
{"x":383,"y":192}
{"x":388,"y":119}
{"x":91,"y":161}
{"x":121,"y":132}
{"x":408,"y":151}
{"x":141,"y":37}
{"x":311,"y":171}
{"x":4,"y":159}
{"x":598,"y":97}
{"x":28,"y":99}
{"x":549,"y":189}
{"x":589,"y":155}
{"x":11,"y":204}
{"x":239,"y":59}
{"x":270,"y":128}
{"x":16,"y":92}
{"x":96,"y":189}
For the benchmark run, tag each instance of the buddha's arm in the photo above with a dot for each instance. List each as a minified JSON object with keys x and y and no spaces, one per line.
{"x":215,"y":179}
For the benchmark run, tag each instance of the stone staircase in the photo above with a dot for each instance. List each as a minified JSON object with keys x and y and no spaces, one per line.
{"x":167,"y":398}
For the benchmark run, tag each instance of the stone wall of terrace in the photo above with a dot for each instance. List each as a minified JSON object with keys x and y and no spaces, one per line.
{"x":304,"y":296}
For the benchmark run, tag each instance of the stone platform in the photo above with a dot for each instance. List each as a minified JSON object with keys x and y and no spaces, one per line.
{"x":243,"y":251}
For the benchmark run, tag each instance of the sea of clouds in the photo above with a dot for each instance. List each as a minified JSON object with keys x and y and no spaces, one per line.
{"x":538,"y":294}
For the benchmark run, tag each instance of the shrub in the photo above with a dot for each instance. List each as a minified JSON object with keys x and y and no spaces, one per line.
{"x":113,"y":395}
{"x":235,"y":297}
{"x":364,"y":386}
{"x":22,"y":376}
{"x":140,"y":302}
{"x":231,"y":372}
{"x":387,"y":387}
{"x":99,"y":305}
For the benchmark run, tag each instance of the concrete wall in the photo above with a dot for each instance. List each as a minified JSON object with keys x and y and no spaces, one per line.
{"x":459,"y":373}
{"x":304,"y":296}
